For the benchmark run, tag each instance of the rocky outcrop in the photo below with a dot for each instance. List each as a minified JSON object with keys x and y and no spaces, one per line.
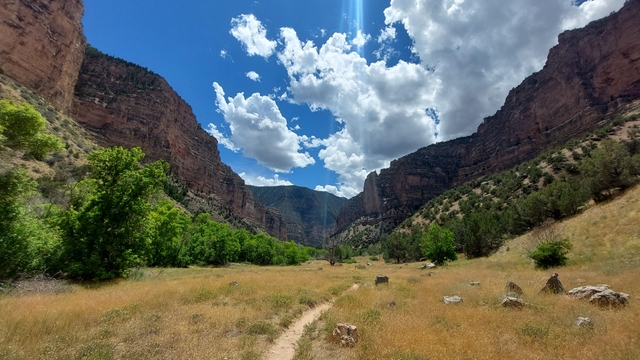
{"x":590,"y":74}
{"x":124,"y":104}
{"x":407,"y":184}
{"x":310,"y":215}
{"x":42,"y":46}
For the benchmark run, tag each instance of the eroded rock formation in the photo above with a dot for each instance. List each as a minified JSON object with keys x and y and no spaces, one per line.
{"x":590,"y":74}
{"x":127,"y":105}
{"x":42,"y":46}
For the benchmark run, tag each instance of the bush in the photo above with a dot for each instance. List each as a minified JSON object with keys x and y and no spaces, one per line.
{"x":438,"y":245}
{"x":551,"y":253}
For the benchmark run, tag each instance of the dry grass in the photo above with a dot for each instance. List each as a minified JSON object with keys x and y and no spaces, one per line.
{"x":196,"y":313}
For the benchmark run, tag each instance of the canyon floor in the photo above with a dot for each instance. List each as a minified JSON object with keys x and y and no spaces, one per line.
{"x":241,"y":311}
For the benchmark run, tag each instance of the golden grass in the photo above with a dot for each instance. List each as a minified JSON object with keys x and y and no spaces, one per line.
{"x":195,"y":313}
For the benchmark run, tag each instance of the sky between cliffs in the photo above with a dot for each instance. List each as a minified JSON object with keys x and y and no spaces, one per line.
{"x":321,"y":93}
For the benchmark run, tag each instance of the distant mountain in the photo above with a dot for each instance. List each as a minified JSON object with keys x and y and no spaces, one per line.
{"x":308,"y":214}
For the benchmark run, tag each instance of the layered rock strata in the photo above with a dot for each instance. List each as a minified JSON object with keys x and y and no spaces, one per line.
{"x":42,"y":46}
{"x":124,"y":104}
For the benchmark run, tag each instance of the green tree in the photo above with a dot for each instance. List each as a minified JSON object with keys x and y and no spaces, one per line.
{"x":22,"y":128}
{"x":609,"y":166}
{"x":438,"y":244}
{"x":551,"y":253}
{"x":26,"y":242}
{"x":482,"y":234}
{"x":105,"y":236}
{"x":168,"y":231}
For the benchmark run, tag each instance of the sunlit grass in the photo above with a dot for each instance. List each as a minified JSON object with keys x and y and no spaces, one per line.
{"x":197,"y":312}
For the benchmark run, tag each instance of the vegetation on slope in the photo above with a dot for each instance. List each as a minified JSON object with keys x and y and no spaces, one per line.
{"x":484,"y":213}
{"x":97,"y":220}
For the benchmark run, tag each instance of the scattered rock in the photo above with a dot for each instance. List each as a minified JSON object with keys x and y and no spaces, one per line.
{"x":553,"y":286}
{"x":584,"y":322}
{"x":233,"y":283}
{"x":345,"y":334}
{"x":427,"y":266}
{"x":513,"y":287}
{"x":452,"y":299}
{"x":474,"y":283}
{"x":600,"y":295}
{"x":381,"y":279}
{"x":513,"y":302}
{"x":585,"y":292}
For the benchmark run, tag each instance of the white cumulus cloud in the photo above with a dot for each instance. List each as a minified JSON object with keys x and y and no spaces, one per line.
{"x":383,"y":108}
{"x":222,"y":138}
{"x":263,"y":181}
{"x":259,"y":129}
{"x":253,"y":76}
{"x":482,"y":49}
{"x":253,"y":35}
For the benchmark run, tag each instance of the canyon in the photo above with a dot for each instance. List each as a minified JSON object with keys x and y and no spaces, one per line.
{"x":591,"y":73}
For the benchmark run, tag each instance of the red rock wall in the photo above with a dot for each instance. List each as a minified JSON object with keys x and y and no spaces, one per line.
{"x":124,"y":104}
{"x":42,"y":46}
{"x":589,"y":74}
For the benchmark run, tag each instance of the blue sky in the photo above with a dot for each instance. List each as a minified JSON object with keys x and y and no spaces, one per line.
{"x":320,"y":93}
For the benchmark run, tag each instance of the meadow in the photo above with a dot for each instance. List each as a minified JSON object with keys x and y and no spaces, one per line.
{"x":236,"y":312}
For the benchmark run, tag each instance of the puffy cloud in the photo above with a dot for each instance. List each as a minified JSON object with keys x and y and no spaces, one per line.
{"x":253,"y":35}
{"x":481,"y":49}
{"x":383,"y":109}
{"x":360,"y":39}
{"x":345,"y":192}
{"x":222,"y":138}
{"x":259,"y":129}
{"x":253,"y":76}
{"x":263,"y":181}
{"x":387,"y":34}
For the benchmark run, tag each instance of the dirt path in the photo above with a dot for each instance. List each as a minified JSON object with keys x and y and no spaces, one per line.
{"x":285,"y":345}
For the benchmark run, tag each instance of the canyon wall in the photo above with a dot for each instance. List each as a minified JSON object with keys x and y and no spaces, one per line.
{"x":590,"y":74}
{"x":124,"y":104}
{"x":42,"y":46}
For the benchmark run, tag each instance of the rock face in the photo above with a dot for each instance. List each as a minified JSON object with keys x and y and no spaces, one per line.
{"x":407,"y":184}
{"x":310,"y":215}
{"x":42,"y":46}
{"x":127,"y":105}
{"x":589,"y":74}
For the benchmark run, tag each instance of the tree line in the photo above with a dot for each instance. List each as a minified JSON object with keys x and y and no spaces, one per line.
{"x":113,"y":219}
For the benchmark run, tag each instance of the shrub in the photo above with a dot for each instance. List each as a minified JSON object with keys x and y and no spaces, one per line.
{"x":551,"y":253}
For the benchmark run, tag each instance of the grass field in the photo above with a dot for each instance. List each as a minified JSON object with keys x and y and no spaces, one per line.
{"x":197,"y":313}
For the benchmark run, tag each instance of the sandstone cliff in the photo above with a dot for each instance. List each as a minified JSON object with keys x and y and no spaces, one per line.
{"x":588,"y":75}
{"x":42,"y":46}
{"x":127,"y":105}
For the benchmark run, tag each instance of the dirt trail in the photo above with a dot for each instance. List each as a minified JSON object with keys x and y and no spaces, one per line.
{"x":285,"y":345}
